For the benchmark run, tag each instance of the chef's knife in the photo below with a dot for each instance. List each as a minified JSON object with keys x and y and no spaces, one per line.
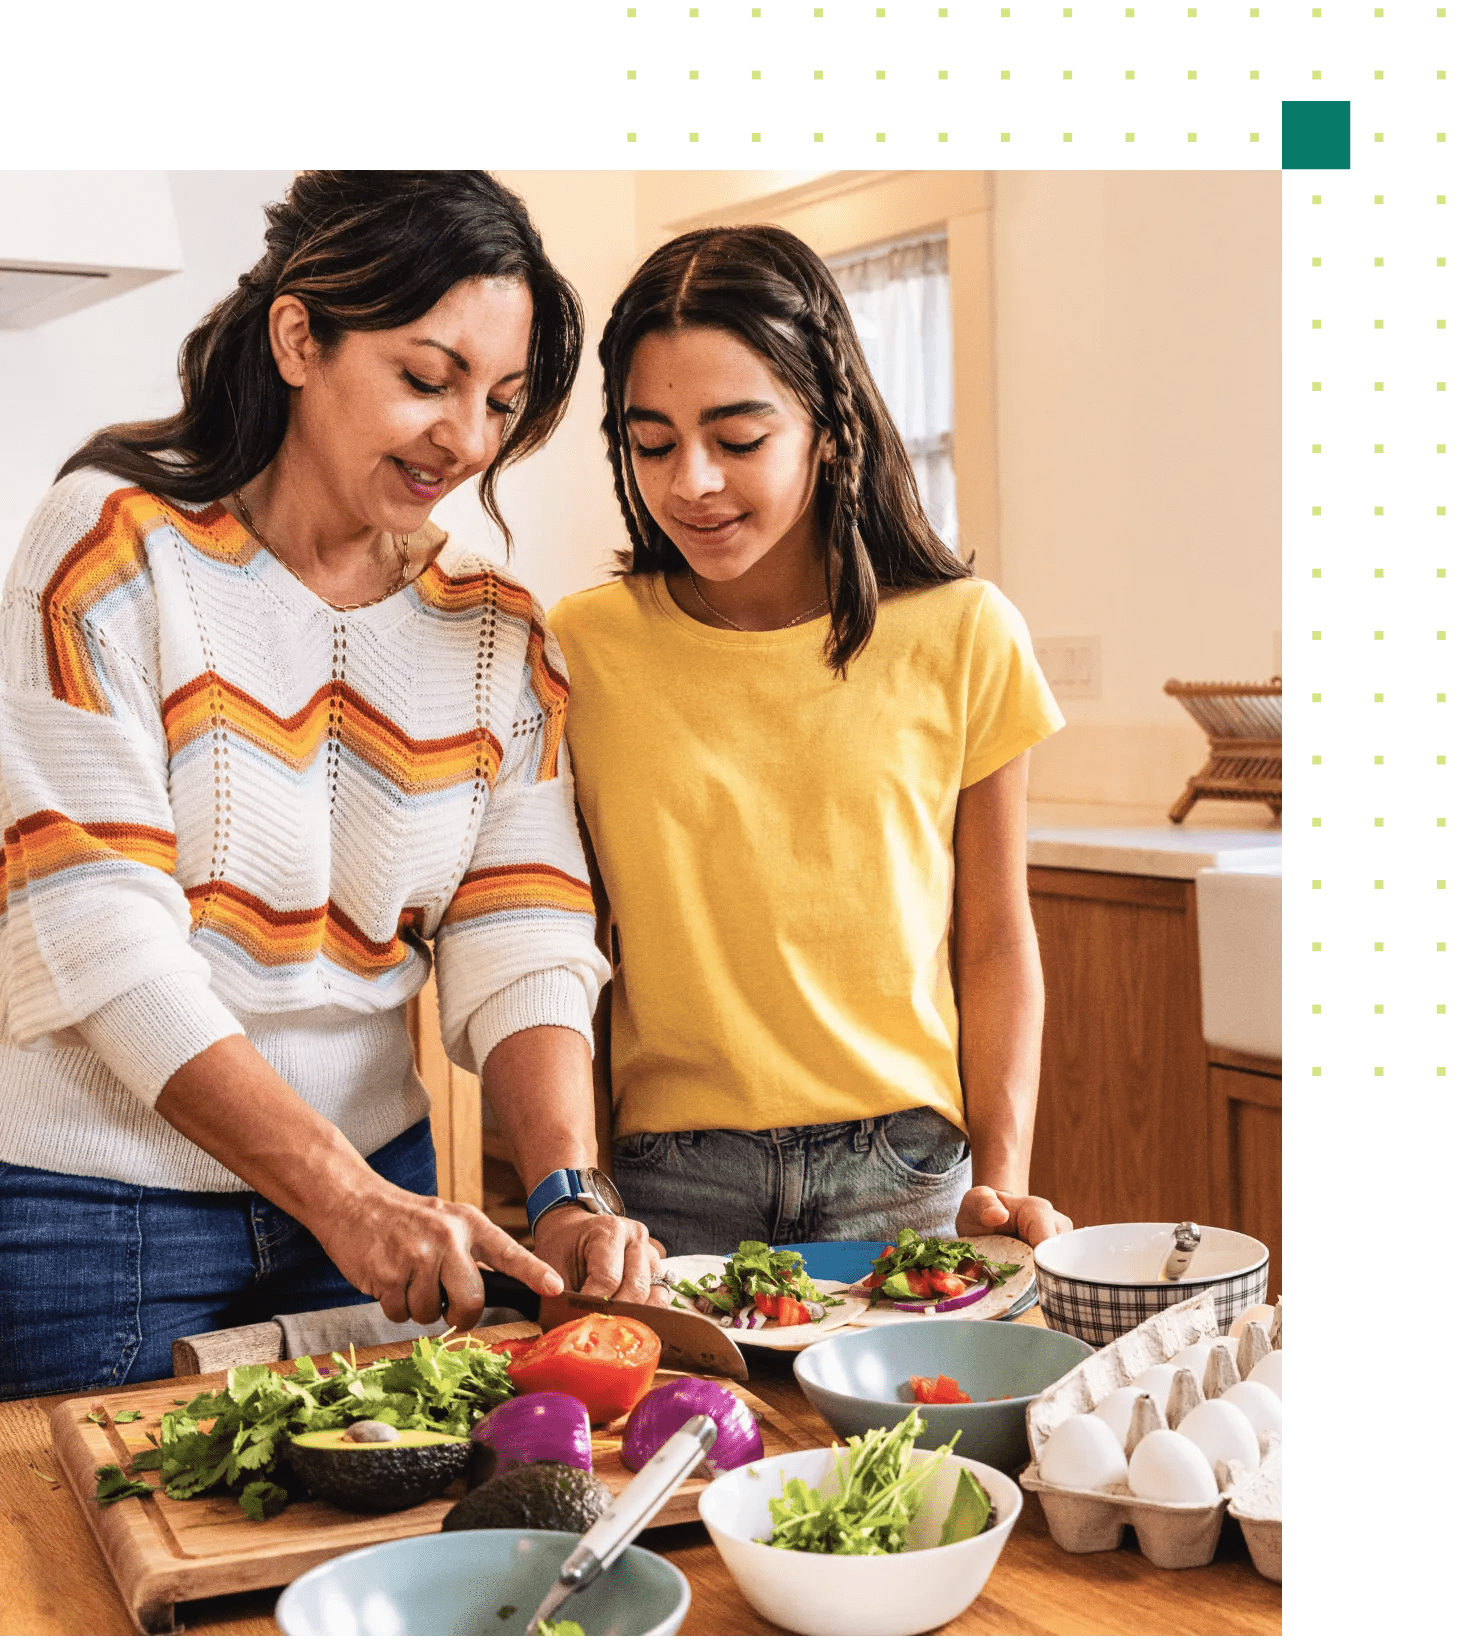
{"x":687,"y":1340}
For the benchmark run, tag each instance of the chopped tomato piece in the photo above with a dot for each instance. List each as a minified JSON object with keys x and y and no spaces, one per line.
{"x":917,"y":1281}
{"x":792,"y":1312}
{"x":939,"y":1391}
{"x":945,"y":1282}
{"x":607,"y":1362}
{"x":876,"y":1279}
{"x":768,"y":1304}
{"x":889,"y":1249}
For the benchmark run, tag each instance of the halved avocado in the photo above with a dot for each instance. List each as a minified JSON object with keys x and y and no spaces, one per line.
{"x":378,"y":1476}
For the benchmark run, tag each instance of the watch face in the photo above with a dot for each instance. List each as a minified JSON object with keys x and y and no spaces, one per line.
{"x":602,"y":1187}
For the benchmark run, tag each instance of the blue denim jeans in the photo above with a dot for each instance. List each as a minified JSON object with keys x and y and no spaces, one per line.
{"x":705,"y":1190}
{"x":100,"y":1277}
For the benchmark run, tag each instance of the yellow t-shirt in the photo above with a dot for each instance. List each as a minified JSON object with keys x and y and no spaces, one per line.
{"x":776,"y":844}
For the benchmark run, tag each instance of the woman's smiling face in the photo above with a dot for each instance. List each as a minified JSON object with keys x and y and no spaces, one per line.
{"x":725,"y":456}
{"x":392,"y":420}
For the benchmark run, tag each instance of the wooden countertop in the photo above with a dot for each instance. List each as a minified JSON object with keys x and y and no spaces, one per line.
{"x":55,"y":1582}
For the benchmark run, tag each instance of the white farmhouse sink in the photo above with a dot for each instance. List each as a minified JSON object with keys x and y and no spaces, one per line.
{"x":1239,"y":933}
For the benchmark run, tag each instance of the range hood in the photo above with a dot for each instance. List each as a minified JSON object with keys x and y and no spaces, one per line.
{"x":69,"y":239}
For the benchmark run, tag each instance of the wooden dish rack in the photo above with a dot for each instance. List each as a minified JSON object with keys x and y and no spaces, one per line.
{"x":1244,"y":724}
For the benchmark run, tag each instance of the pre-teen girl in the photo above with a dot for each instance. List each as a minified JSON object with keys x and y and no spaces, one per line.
{"x":800,"y":729}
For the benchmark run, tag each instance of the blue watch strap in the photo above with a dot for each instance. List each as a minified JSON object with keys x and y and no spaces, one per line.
{"x":562,"y":1185}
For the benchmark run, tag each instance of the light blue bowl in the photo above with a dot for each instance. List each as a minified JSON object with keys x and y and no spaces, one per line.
{"x":459,"y":1583}
{"x":857,"y":1380}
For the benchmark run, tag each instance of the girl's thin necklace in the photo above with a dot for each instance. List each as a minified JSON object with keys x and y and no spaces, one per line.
{"x":794,"y":621}
{"x":402,"y":546}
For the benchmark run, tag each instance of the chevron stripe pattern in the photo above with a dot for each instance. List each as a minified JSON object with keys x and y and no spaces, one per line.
{"x":312,"y":795}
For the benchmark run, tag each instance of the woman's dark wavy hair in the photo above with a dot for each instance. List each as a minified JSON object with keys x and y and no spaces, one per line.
{"x":362,"y":250}
{"x":766,"y":287}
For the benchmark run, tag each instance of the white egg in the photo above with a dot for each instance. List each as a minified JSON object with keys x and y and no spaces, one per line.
{"x":1194,"y":1356}
{"x":1254,"y":1313}
{"x":1262,"y":1406}
{"x":1157,"y":1380}
{"x":1221,"y":1432}
{"x":1269,"y":1372}
{"x":1172,"y":1469}
{"x":1083,"y":1452}
{"x":1116,"y":1410}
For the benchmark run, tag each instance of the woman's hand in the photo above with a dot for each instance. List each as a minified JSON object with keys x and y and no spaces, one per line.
{"x":408,"y":1250}
{"x":604,"y":1255}
{"x":985,"y":1211}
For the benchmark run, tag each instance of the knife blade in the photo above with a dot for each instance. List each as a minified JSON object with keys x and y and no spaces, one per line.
{"x":687,"y":1340}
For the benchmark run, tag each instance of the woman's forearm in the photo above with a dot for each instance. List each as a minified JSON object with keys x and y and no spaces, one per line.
{"x":232,"y":1103}
{"x":539,"y":1084}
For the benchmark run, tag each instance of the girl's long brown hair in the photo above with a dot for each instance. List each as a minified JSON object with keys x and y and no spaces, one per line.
{"x":362,"y":250}
{"x":771,"y":290}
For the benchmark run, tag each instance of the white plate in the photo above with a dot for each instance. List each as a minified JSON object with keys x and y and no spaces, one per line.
{"x":994,"y":1304}
{"x":691,"y":1267}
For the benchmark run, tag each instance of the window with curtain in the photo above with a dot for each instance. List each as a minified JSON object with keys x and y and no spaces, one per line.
{"x":899,"y":302}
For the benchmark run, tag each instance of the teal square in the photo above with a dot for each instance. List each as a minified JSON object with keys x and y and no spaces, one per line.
{"x":1315,"y":136}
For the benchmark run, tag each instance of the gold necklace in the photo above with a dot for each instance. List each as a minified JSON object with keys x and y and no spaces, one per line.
{"x":402,"y":546}
{"x":725,"y":618}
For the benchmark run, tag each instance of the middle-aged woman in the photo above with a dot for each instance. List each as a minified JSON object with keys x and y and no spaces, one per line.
{"x":263,"y":735}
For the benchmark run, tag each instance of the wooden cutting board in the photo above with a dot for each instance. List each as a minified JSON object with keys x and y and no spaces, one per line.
{"x":161,"y":1551}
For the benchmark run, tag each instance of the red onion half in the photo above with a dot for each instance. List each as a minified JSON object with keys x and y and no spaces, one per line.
{"x":664,"y":1410}
{"x":542,"y":1424}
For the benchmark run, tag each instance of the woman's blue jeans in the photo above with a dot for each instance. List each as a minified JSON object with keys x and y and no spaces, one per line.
{"x":705,"y":1190}
{"x":98,"y":1278}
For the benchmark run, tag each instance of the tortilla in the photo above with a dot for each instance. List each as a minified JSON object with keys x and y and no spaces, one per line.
{"x":691,"y":1267}
{"x":999,"y":1301}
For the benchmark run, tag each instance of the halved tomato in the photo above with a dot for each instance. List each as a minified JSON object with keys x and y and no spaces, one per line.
{"x":607,"y":1362}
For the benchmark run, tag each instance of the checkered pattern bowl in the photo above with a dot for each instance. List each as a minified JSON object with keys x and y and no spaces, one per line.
{"x":1101,"y":1281}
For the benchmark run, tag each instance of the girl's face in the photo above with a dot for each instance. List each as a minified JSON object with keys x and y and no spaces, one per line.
{"x":392,"y":420}
{"x":724,"y":455}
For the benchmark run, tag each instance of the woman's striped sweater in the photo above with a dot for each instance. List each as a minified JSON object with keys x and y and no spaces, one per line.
{"x":229,"y":807}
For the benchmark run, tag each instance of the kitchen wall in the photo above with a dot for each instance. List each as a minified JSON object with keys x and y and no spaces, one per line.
{"x":1137,"y":350}
{"x":117,"y":361}
{"x":1117,"y":366}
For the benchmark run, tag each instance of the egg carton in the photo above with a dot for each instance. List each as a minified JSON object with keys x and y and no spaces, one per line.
{"x":1171,"y":1536}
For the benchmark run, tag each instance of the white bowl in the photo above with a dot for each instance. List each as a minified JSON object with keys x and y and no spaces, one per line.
{"x":811,"y":1594}
{"x":1103,"y":1280}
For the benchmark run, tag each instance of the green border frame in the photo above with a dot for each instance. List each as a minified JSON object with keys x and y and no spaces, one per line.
{"x":545,"y":84}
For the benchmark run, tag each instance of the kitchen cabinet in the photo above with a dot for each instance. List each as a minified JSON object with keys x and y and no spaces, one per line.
{"x":1122,"y":1131}
{"x":1245,"y":1104}
{"x":1135,"y":1120}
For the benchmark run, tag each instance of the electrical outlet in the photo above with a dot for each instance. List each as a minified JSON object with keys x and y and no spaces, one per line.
{"x":1071,"y":667}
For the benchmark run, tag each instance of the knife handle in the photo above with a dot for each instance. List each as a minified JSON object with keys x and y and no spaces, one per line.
{"x":500,"y":1289}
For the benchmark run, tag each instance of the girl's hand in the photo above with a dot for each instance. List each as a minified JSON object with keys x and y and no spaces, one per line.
{"x":405,"y":1250}
{"x":985,"y":1211}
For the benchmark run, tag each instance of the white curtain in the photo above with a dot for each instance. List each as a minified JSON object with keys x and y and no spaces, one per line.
{"x":898,"y":297}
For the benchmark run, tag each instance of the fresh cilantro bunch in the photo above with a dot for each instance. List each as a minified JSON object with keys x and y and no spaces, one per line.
{"x":234,"y":1438}
{"x":872,"y":1497}
{"x":753,"y":1269}
{"x":937,"y":1253}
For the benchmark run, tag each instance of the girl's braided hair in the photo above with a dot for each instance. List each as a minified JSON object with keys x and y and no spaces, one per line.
{"x":362,"y":250}
{"x":769,"y":289}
